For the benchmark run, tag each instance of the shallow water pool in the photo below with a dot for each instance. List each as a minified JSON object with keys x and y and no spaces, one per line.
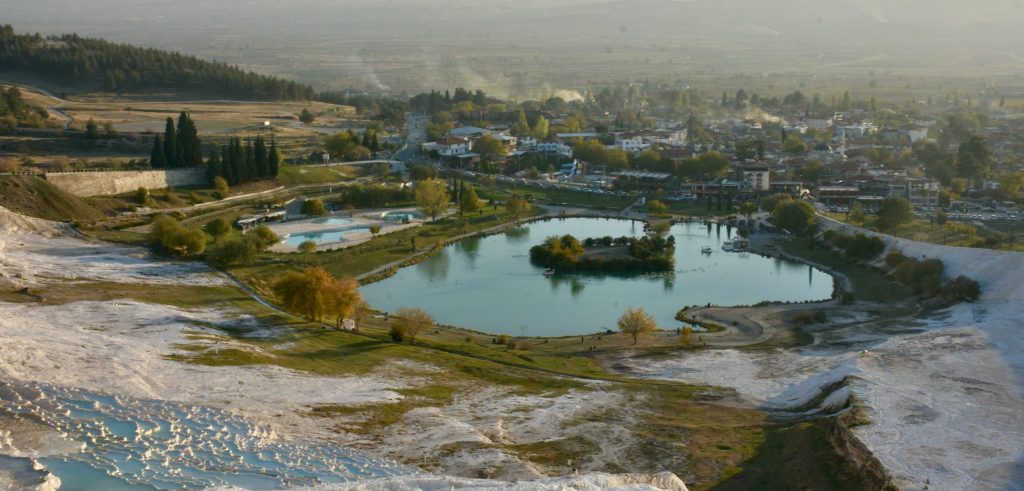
{"x":132,"y":444}
{"x":324,"y":236}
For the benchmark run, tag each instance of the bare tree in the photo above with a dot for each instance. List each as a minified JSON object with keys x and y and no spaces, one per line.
{"x":412,"y":321}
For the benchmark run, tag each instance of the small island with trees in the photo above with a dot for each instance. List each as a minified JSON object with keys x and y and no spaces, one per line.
{"x":652,"y":253}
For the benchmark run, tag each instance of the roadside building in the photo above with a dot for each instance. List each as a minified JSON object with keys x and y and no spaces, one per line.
{"x":757,"y":176}
{"x":450,"y":146}
{"x":646,"y":182}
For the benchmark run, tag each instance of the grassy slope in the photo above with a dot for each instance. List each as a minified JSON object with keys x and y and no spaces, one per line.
{"x":33,"y":196}
{"x":953,"y":233}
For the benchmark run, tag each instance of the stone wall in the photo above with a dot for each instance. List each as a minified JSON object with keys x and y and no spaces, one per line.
{"x":104,"y":183}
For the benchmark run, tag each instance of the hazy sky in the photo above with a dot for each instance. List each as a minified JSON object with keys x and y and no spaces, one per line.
{"x":382,"y":40}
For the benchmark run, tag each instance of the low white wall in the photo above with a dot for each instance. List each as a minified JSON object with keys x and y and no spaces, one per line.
{"x":116,"y":182}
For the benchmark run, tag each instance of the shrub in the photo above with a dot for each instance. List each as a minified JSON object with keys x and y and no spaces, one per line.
{"x":314,"y":207}
{"x":221,"y":186}
{"x":142,"y":196}
{"x":169,"y":235}
{"x":218,"y":228}
{"x":894,"y":259}
{"x":307,"y":247}
{"x":924,"y":277}
{"x":656,"y":207}
{"x":863,"y":248}
{"x":820,"y":316}
{"x":263,"y":237}
{"x":964,"y":289}
{"x":804,"y":317}
{"x":397,"y":334}
{"x":503,"y":339}
{"x":231,"y":250}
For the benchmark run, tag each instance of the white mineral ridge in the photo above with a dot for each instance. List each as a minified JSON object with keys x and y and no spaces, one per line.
{"x":597,"y":481}
{"x":946,"y":405}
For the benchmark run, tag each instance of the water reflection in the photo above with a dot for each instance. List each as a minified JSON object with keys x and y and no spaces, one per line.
{"x":469,"y":248}
{"x":518,"y":234}
{"x":435,"y":268}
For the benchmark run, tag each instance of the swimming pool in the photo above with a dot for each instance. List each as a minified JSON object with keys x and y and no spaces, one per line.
{"x":332,"y":221}
{"x":401,"y":216}
{"x":324,"y":236}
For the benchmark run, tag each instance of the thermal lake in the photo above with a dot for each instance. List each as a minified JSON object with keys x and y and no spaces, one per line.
{"x":488,"y":283}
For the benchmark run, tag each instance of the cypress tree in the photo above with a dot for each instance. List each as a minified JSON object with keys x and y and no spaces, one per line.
{"x":250,"y":163}
{"x":237,"y":167}
{"x":227,"y":164}
{"x":213,"y":165}
{"x":157,"y":159}
{"x":273,"y":159}
{"x":188,"y":142}
{"x":172,"y":152}
{"x":260,"y":154}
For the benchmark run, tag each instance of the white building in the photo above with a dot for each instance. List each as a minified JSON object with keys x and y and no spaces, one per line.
{"x":820,"y":124}
{"x":853,"y":131}
{"x":632,"y":144}
{"x":451,"y":146}
{"x":675,"y":138}
{"x":554,"y":147}
{"x":757,"y":176}
{"x":469,"y":132}
{"x":527,"y":143}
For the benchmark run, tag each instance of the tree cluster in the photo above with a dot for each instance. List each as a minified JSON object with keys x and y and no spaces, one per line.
{"x":350,"y":146}
{"x":858,"y":247}
{"x":795,"y":216}
{"x":374,"y":196}
{"x":16,"y":111}
{"x":316,"y":294}
{"x":120,"y":67}
{"x":711,"y":165}
{"x":434,"y":102}
{"x":239,"y":162}
{"x":925,"y":277}
{"x":228,"y":249}
{"x":389,"y":111}
{"x":170,"y":236}
{"x":178,"y":147}
{"x":652,"y":253}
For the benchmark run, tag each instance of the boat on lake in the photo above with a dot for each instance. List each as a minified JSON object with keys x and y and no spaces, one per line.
{"x":706,"y":250}
{"x":549,"y":272}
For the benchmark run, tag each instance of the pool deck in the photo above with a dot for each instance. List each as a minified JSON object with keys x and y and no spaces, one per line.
{"x":361,"y":219}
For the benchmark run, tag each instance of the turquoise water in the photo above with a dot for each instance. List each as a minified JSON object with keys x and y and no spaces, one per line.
{"x":332,"y":221}
{"x":133,"y":444}
{"x":488,"y":283}
{"x":401,"y":216}
{"x":323,"y":236}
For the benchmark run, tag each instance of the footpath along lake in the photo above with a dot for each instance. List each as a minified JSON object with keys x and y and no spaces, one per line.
{"x":488,"y":283}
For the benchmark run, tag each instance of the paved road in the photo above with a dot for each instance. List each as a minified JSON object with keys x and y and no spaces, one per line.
{"x":415,"y":134}
{"x":54,"y":108}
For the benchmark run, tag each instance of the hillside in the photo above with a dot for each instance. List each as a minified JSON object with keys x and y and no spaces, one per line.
{"x":33,"y":196}
{"x":121,"y":67}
